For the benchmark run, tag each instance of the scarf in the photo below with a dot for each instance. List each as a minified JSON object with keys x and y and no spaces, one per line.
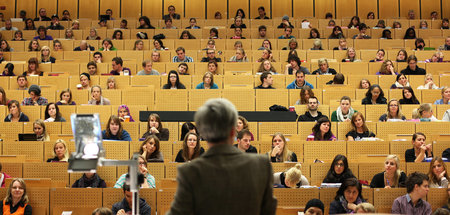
{"x":398,"y":85}
{"x":93,"y":182}
{"x":100,"y":102}
{"x":344,"y":203}
{"x":341,"y":117}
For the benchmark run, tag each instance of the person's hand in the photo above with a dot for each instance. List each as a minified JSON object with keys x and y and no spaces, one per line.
{"x":288,"y":66}
{"x":121,"y":119}
{"x":441,"y":175}
{"x":121,"y":212}
{"x":63,"y":102}
{"x":430,"y":84}
{"x":144,"y":148}
{"x":423,"y":148}
{"x":286,"y":22}
{"x":275,"y":151}
{"x":347,"y":120}
{"x":351,"y":206}
{"x":154,"y":130}
{"x":387,"y":186}
{"x":143,"y":169}
{"x":145,"y":184}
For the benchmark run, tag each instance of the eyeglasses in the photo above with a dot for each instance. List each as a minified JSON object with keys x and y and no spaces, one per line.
{"x":141,"y":163}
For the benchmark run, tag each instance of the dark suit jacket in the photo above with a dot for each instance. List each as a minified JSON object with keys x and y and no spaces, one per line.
{"x":225,"y":181}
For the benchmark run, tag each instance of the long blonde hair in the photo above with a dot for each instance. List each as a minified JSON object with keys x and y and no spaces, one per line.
{"x":41,"y":123}
{"x":398,"y":172}
{"x":24,"y":199}
{"x":294,"y":174}
{"x":286,"y":155}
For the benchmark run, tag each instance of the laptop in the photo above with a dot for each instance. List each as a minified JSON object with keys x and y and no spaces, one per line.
{"x":27,"y":137}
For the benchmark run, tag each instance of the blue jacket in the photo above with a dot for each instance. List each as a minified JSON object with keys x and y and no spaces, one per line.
{"x":202,"y":86}
{"x":125,"y":136}
{"x":294,"y":85}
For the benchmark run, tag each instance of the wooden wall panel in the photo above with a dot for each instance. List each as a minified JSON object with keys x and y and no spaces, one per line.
{"x":10,"y":8}
{"x":366,"y":6}
{"x":234,"y":5}
{"x":152,"y":8}
{"x":281,"y":8}
{"x":131,"y":8}
{"x":389,"y":9}
{"x":324,"y":6}
{"x":445,"y":8}
{"x":178,"y":4}
{"x":304,"y":8}
{"x":195,"y":8}
{"x":254,"y":4}
{"x":428,"y":6}
{"x":89,"y":9}
{"x":28,"y":5}
{"x":49,"y":5}
{"x":406,"y":5}
{"x":114,"y":5}
{"x":213,"y":6}
{"x":70,"y":5}
{"x":346,"y":8}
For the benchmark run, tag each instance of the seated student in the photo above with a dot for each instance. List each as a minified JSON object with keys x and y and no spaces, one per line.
{"x":65,"y":98}
{"x":379,"y":56}
{"x":42,"y":34}
{"x":424,"y":113}
{"x":84,"y":46}
{"x":237,"y":33}
{"x":117,"y":67}
{"x":391,"y":177}
{"x":262,"y":13}
{"x":266,"y":66}
{"x":400,"y":82}
{"x":92,"y":68}
{"x":393,"y":112}
{"x":347,"y":197}
{"x":359,"y":128}
{"x":344,"y":112}
{"x":211,"y":56}
{"x":445,"y":92}
{"x":299,"y":81}
{"x":16,"y":200}
{"x":317,"y":45}
{"x":60,"y":151}
{"x":408,"y":96}
{"x":412,"y":202}
{"x":114,"y":130}
{"x":305,"y":94}
{"x":238,"y":23}
{"x":438,"y":173}
{"x":15,"y":113}
{"x":294,"y":66}
{"x":429,"y":84}
{"x":280,"y":151}
{"x":336,"y":33}
{"x":89,"y":180}
{"x":168,"y":24}
{"x":314,"y":207}
{"x":322,"y":131}
{"x":413,"y":68}
{"x":338,"y":171}
{"x":35,"y":97}
{"x":342,"y":45}
{"x":351,"y":56}
{"x":149,"y":179}
{"x":374,"y":95}
{"x":85,"y":81}
{"x":52,"y":113}
{"x":312,"y":114}
{"x":292,"y":45}
{"x":98,"y":57}
{"x":338,"y":79}
{"x":40,"y":131}
{"x":186,"y":128}
{"x":292,"y":178}
{"x":123,"y":112}
{"x":387,"y":68}
{"x":243,"y":142}
{"x":287,"y":33}
{"x":147,"y":66}
{"x":266,"y":81}
{"x":208,"y":82}
{"x":183,"y":69}
{"x":9,"y":70}
{"x":285,"y":23}
{"x":173,"y":81}
{"x":420,"y":150}
{"x":242,"y":124}
{"x":150,"y":149}
{"x":154,"y":126}
{"x":266,"y":55}
{"x":240,"y":56}
{"x":362,"y":32}
{"x":107,"y":45}
{"x":97,"y":98}
{"x":324,"y":68}
{"x":364,"y":84}
{"x":314,"y":34}
{"x":191,"y":148}
{"x":124,"y":207}
{"x":193,"y":24}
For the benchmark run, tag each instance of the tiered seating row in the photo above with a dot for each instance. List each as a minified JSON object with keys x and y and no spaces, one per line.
{"x":46,"y":200}
{"x":248,"y":44}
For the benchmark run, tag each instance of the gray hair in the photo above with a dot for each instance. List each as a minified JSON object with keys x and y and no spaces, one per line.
{"x":215,"y":120}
